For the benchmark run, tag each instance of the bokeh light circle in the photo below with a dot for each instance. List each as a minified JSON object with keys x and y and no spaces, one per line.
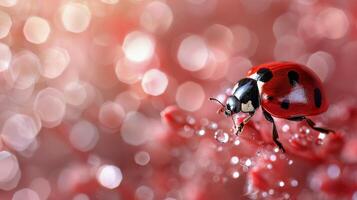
{"x":109,"y":176}
{"x":19,"y":131}
{"x":25,"y":193}
{"x":133,"y":130}
{"x":8,"y":3}
{"x":54,"y":61}
{"x":9,"y":166}
{"x":111,"y":115}
{"x":24,"y":70}
{"x":110,"y":2}
{"x":190,"y":96}
{"x":75,"y":17}
{"x":5,"y":57}
{"x":84,"y":135}
{"x":156,"y":17}
{"x":154,"y":82}
{"x":50,"y":107}
{"x":138,"y":46}
{"x":193,"y":53}
{"x":5,"y":24}
{"x":36,"y":30}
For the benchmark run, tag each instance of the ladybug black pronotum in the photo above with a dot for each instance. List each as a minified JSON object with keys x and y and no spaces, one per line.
{"x":284,"y":90}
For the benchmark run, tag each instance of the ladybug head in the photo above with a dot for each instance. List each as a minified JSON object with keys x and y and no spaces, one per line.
{"x":232,"y":106}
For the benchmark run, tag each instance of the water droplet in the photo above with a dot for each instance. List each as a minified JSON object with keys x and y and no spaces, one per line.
{"x":281,"y":183}
{"x":290,"y":162}
{"x":248,"y":163}
{"x":294,"y":183}
{"x":273,"y":157}
{"x":221,"y":136}
{"x":271,"y":191}
{"x":213,"y":125}
{"x":285,"y":128}
{"x":286,"y":196}
{"x":269,"y":166}
{"x":333,"y":171}
{"x":264,"y":194}
{"x":276,"y":149}
{"x":201,"y":132}
{"x":190,"y":120}
{"x":234,"y":160}
{"x":235,"y":174}
{"x":322,"y":136}
{"x":236,"y":142}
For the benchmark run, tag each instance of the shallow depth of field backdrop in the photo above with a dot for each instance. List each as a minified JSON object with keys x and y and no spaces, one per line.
{"x":108,"y":99}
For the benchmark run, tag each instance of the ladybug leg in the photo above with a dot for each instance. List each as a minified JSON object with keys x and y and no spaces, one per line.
{"x":235,"y":125}
{"x":275,"y":132}
{"x":242,"y":124}
{"x":319,"y":129}
{"x":312,"y":124}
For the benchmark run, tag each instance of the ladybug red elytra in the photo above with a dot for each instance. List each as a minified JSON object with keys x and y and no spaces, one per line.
{"x":283,"y":90}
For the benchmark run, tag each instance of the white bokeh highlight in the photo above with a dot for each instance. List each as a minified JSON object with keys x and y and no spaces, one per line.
{"x":84,"y":136}
{"x":111,"y":115}
{"x":5,"y":56}
{"x":109,"y":176}
{"x":50,"y":106}
{"x":190,"y":96}
{"x":154,"y":82}
{"x":5,"y":24}
{"x":36,"y":30}
{"x":133,"y":130}
{"x":25,"y":193}
{"x":138,"y":46}
{"x":193,"y":53}
{"x":24,"y":70}
{"x":19,"y":131}
{"x":8,"y":3}
{"x":9,"y":169}
{"x":156,"y":17}
{"x":54,"y":61}
{"x":75,"y":17}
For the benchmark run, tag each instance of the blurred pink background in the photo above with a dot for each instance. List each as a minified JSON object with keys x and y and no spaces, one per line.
{"x":108,"y":99}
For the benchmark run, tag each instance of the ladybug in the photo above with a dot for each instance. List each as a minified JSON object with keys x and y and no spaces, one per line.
{"x":284,"y":90}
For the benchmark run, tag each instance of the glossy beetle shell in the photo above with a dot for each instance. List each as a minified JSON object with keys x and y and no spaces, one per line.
{"x":293,"y":90}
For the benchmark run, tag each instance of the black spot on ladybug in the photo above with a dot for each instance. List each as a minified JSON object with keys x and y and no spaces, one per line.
{"x":264,"y":74}
{"x":317,"y":97}
{"x":293,"y":77}
{"x":285,"y":104}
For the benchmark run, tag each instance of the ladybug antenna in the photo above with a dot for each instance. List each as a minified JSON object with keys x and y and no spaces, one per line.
{"x":223,"y":106}
{"x":214,"y":99}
